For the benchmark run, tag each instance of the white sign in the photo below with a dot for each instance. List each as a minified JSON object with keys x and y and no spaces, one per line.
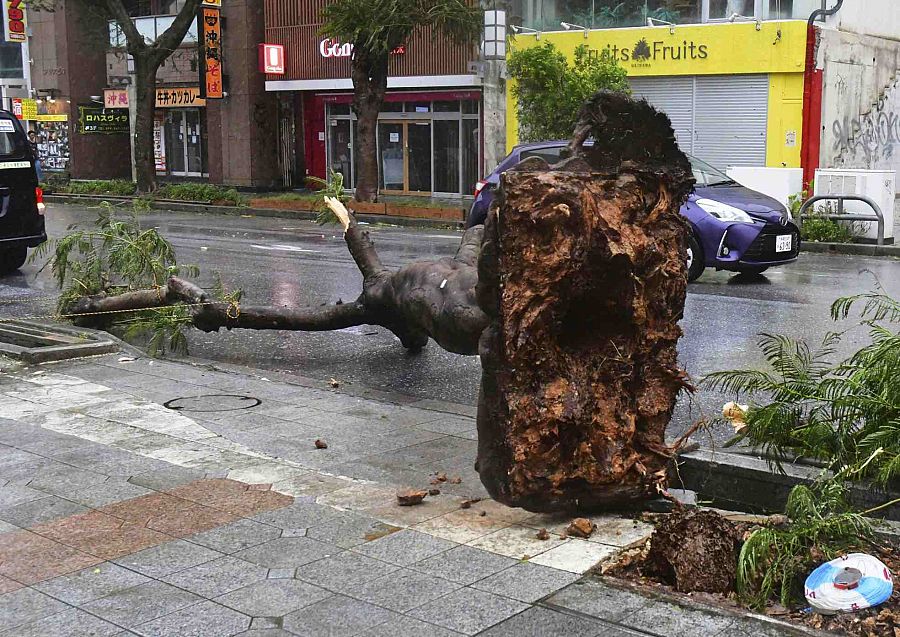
{"x":395,"y":137}
{"x":321,"y":136}
{"x":329,"y":48}
{"x":271,"y":59}
{"x":6,"y":126}
{"x":14,"y":164}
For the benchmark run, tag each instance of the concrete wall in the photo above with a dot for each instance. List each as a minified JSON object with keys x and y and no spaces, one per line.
{"x":880,"y":18}
{"x":860,"y":101}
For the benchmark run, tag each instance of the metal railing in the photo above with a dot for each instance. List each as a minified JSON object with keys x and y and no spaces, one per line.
{"x":878,"y":216}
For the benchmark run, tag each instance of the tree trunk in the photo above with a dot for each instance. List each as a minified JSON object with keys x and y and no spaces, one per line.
{"x":583,"y":276}
{"x":145,"y":94}
{"x":368,"y":95}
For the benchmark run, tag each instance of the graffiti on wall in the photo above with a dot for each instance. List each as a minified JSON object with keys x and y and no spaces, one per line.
{"x":871,"y":140}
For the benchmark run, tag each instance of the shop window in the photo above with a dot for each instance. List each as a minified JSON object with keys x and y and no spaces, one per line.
{"x":11,"y":60}
{"x":470,"y":107}
{"x":546,"y":15}
{"x":725,"y":9}
{"x":446,"y":155}
{"x":471,"y":149}
{"x":339,"y":109}
{"x":446,"y":107}
{"x":392,"y":107}
{"x":418,"y":107}
{"x":792,"y":9}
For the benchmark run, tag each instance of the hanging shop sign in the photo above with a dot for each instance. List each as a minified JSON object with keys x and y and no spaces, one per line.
{"x":212,"y":3}
{"x":96,"y":120}
{"x":115,"y":98}
{"x":211,"y":54}
{"x":159,"y":145}
{"x":179,"y":97}
{"x":15,"y":24}
{"x":330,"y":48}
{"x":271,"y":59}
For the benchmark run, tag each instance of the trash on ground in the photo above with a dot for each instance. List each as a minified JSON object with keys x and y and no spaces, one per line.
{"x":848,"y":583}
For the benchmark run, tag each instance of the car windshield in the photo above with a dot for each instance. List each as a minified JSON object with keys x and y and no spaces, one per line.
{"x":706,"y":175}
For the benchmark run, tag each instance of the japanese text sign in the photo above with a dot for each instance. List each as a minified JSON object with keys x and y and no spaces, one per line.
{"x":179,"y":97}
{"x":96,"y":120}
{"x":211,"y":54}
{"x":115,"y":98}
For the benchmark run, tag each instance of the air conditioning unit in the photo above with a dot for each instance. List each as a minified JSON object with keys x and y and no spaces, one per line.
{"x":878,"y":185}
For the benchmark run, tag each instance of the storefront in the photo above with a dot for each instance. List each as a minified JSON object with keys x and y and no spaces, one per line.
{"x":49,"y":119}
{"x":180,"y":146}
{"x":430,"y":133}
{"x":734,"y":91}
{"x":427,"y":142}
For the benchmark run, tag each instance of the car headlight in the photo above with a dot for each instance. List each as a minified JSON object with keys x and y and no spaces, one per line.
{"x":723,"y":211}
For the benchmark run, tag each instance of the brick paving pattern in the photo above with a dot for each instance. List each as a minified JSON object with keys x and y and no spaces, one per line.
{"x":121,"y":517}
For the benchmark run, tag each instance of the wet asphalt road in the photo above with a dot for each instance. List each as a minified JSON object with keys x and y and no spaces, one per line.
{"x":287,"y":262}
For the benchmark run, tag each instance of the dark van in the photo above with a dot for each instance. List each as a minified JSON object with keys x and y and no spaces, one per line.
{"x":21,"y":200}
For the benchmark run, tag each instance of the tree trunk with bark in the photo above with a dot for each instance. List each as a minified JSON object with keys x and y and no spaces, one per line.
{"x":369,"y":86}
{"x":145,"y":95}
{"x":571,"y":295}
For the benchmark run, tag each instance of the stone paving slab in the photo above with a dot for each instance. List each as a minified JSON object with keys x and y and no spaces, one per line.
{"x":119,"y":516}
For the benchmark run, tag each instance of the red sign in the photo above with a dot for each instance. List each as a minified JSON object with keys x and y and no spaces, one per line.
{"x":271,"y":59}
{"x":211,"y":54}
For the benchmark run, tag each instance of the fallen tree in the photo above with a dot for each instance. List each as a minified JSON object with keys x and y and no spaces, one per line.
{"x":571,"y":295}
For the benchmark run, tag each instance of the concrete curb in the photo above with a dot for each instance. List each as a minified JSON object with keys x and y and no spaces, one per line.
{"x":861,"y":249}
{"x":202,"y":208}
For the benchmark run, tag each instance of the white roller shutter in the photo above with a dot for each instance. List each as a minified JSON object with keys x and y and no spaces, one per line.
{"x":675,"y":97}
{"x":730,"y":120}
{"x":721,"y":119}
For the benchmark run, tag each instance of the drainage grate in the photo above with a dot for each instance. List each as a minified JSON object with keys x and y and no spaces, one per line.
{"x":212,"y":402}
{"x":41,"y":343}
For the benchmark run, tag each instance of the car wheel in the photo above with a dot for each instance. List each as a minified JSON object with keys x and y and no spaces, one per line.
{"x":13,"y":259}
{"x":759,"y":269}
{"x":695,"y":264}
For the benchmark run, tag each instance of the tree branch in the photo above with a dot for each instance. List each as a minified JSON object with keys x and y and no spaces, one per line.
{"x":133,"y":38}
{"x":174,"y":35}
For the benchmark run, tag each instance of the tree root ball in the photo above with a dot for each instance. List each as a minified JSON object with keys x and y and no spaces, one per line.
{"x":695,"y":551}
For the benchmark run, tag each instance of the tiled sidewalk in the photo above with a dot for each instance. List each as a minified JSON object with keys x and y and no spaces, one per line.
{"x":119,"y":516}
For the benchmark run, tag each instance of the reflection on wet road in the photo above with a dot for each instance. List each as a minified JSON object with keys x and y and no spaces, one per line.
{"x":286,"y":262}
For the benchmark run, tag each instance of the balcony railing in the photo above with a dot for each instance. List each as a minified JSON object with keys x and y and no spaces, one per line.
{"x":151,"y":27}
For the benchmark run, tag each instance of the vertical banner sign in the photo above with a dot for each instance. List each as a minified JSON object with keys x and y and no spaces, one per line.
{"x":211,"y":54}
{"x":14,"y":21}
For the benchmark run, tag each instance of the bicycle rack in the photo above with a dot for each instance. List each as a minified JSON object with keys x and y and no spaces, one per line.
{"x":878,"y":216}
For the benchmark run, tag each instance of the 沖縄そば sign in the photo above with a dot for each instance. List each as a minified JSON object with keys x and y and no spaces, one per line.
{"x":211,"y":54}
{"x":96,"y":120}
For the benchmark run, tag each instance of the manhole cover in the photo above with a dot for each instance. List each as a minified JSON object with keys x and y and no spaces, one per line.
{"x":212,"y":402}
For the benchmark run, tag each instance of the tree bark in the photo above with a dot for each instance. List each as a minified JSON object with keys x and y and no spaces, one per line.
{"x":369,"y":86}
{"x":583,"y":276}
{"x":145,"y":112}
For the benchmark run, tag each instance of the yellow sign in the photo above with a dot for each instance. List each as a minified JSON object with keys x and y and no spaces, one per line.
{"x":211,"y":54}
{"x":703,"y":49}
{"x":15,"y":19}
{"x":179,"y":97}
{"x":51,"y":118}
{"x":212,"y":3}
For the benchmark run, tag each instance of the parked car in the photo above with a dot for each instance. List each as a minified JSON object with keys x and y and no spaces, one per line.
{"x":21,"y":199}
{"x":732,"y":227}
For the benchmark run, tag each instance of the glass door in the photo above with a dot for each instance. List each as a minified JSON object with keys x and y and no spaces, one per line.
{"x":174,"y":134}
{"x":418,"y":157}
{"x":391,"y":156}
{"x":193,"y":146}
{"x":339,"y":149}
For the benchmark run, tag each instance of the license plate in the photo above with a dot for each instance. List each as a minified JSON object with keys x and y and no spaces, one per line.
{"x":783,"y":243}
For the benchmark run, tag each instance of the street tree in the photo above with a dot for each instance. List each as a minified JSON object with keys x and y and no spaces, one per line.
{"x":148,"y":57}
{"x":549,"y":89}
{"x":571,"y":294}
{"x":375,"y":28}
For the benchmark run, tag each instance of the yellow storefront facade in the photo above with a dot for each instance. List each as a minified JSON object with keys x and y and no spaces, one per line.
{"x":734,"y":91}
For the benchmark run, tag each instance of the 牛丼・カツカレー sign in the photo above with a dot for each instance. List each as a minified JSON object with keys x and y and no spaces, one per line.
{"x":708,"y":49}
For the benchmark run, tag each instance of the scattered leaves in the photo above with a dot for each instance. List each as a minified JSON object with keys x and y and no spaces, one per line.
{"x":467,"y":504}
{"x":543,"y":534}
{"x":434,"y":492}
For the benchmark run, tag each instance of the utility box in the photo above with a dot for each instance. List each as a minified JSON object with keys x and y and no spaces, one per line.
{"x":878,"y":185}
{"x":778,"y":183}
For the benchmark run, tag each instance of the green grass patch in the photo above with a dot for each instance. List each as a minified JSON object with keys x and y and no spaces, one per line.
{"x":118,"y":187}
{"x":200,"y":192}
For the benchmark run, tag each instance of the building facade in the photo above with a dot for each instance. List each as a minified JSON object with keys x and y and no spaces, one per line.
{"x":80,"y":73}
{"x":430,"y":131}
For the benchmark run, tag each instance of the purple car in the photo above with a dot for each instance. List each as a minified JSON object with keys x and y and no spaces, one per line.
{"x":732,"y":227}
